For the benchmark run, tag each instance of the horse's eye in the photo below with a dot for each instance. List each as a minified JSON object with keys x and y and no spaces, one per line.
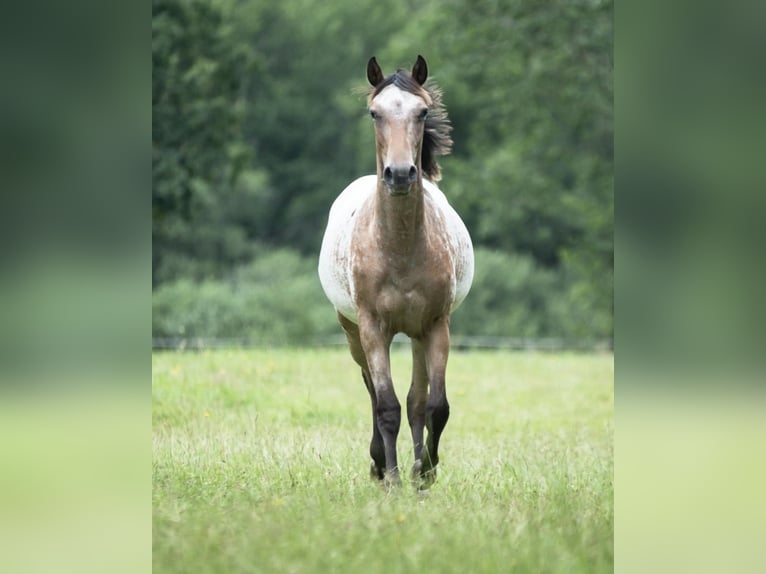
{"x":423,"y":114}
{"x":373,"y":114}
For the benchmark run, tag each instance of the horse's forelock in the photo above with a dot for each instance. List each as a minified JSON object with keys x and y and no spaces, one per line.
{"x":402,"y":80}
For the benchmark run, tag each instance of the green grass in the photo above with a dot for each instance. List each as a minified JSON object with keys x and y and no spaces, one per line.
{"x":260,"y":464}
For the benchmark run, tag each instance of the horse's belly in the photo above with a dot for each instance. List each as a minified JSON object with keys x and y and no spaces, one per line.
{"x":335,"y":254}
{"x":334,"y":275}
{"x":461,"y":247}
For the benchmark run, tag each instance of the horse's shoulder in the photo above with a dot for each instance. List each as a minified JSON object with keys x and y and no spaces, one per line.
{"x":353,"y":196}
{"x":442,"y":204}
{"x":433,"y":192}
{"x":361,"y":185}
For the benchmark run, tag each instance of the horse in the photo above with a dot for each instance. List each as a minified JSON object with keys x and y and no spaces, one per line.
{"x":397,"y":258}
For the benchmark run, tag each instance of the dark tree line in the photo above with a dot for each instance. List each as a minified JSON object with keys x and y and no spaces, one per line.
{"x":258,"y":125}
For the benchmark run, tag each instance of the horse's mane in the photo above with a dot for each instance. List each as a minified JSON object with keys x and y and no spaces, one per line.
{"x":436,"y":132}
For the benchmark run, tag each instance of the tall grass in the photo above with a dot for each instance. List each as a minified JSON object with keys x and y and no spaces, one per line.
{"x":261,"y":465}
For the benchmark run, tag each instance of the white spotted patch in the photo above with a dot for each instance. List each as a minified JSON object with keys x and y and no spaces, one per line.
{"x":394,"y":103}
{"x":335,"y":256}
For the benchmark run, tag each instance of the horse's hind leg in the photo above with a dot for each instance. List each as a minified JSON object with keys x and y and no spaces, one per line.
{"x":416,"y":405}
{"x":377,"y":451}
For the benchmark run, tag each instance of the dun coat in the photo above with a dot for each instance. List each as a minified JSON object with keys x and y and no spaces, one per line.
{"x":396,"y":258}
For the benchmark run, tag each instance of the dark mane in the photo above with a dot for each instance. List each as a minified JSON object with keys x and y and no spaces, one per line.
{"x":436,"y":133}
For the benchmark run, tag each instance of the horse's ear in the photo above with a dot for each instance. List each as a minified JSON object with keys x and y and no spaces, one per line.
{"x":374,"y":73}
{"x":420,"y":70}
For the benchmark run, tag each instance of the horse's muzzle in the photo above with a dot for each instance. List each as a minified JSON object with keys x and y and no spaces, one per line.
{"x":399,"y":178}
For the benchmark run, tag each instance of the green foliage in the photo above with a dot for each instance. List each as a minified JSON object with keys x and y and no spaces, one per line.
{"x":259,"y":124}
{"x":198,"y":71}
{"x":304,"y":114}
{"x":513,"y":296}
{"x":276,"y":299}
{"x":510,"y":297}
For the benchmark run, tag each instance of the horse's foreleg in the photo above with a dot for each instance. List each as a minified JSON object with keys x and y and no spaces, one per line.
{"x":437,"y":408}
{"x":377,"y":452}
{"x":387,"y":408}
{"x":416,"y":405}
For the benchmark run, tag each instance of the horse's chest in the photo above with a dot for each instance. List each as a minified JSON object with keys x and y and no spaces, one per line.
{"x":397,"y":301}
{"x":406,"y":306}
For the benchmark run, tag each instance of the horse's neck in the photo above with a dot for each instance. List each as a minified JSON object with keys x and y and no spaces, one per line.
{"x":400,"y":220}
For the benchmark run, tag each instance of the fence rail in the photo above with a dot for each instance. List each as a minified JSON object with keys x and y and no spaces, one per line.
{"x":457,"y":342}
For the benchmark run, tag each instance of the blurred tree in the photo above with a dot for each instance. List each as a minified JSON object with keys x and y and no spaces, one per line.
{"x":530,"y":96}
{"x":303,"y":117}
{"x":276,"y":299}
{"x":198,"y":75}
{"x":528,"y":86}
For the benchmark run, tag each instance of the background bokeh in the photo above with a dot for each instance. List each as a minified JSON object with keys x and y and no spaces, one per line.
{"x":259,"y":123}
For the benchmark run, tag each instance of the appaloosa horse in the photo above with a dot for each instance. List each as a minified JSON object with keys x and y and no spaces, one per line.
{"x":396,"y":258}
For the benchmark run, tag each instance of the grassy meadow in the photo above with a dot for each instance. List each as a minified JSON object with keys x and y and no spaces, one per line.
{"x":261,"y":464}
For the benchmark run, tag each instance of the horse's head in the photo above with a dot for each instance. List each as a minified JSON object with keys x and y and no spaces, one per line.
{"x":399,"y":106}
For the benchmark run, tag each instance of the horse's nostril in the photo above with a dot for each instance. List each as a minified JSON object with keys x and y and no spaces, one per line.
{"x":400,"y":175}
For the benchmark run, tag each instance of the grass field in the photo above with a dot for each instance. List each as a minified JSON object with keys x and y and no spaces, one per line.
{"x":260,"y":464}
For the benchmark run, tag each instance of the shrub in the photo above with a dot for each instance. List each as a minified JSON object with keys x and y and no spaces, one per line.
{"x":276,"y":299}
{"x":511,"y":296}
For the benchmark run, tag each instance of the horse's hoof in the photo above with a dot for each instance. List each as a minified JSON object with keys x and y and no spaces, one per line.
{"x":376,"y":473}
{"x":417,"y":470}
{"x":392,"y":479}
{"x":427,"y":479}
{"x":423,"y":479}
